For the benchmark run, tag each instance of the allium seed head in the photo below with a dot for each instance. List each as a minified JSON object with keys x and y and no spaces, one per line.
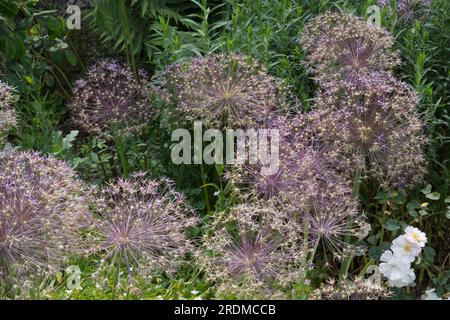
{"x":371,"y":127}
{"x":110,"y":95}
{"x":222,"y":90}
{"x":41,"y":206}
{"x":327,"y":214}
{"x":139,"y":227}
{"x":342,"y":46}
{"x":252,"y":251}
{"x":406,"y":10}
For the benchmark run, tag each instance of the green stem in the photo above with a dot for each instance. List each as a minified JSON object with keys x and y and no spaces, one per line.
{"x":205,"y":189}
{"x":126,"y":30}
{"x":117,"y":278}
{"x":366,"y":266}
{"x":122,"y":154}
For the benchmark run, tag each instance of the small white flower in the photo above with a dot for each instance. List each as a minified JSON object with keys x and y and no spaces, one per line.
{"x":195,"y":292}
{"x":430,"y":295}
{"x":416,"y":236}
{"x":216,"y":193}
{"x":397,"y":269}
{"x":401,"y":245}
{"x":198,"y":298}
{"x":307,"y":282}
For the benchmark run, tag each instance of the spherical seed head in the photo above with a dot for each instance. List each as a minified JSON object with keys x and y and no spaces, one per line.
{"x":109,"y":95}
{"x":8,"y":116}
{"x":139,"y":227}
{"x":301,"y":164}
{"x":406,"y":10}
{"x":222,"y":90}
{"x":251,"y":251}
{"x":342,"y":46}
{"x":41,"y":209}
{"x":371,"y":127}
{"x":327,"y":213}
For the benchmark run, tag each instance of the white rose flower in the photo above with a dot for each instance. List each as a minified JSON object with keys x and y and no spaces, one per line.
{"x":397,"y":269}
{"x":401,"y":245}
{"x":416,"y":236}
{"x":430,"y":295}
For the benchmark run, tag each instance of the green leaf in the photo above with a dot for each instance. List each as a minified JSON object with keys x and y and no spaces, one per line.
{"x":428,"y":254}
{"x":71,"y":57}
{"x":373,"y":239}
{"x":8,"y":47}
{"x":68,"y":139}
{"x":426,"y":190}
{"x":400,"y":198}
{"x":381,"y":196}
{"x":434,"y":196}
{"x":413,"y":205}
{"x":375,"y":253}
{"x":392,"y":225}
{"x":8,"y":9}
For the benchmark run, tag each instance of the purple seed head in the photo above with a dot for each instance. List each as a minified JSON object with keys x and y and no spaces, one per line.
{"x":371,"y":128}
{"x":139,"y":227}
{"x":110,"y":95}
{"x":251,"y":251}
{"x":340,"y":46}
{"x":41,"y":210}
{"x":222,"y":90}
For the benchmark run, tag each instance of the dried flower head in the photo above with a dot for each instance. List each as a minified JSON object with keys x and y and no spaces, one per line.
{"x":251,"y":252}
{"x":41,"y":206}
{"x":406,"y":10}
{"x":221,"y":90}
{"x":109,"y":95}
{"x":357,"y":289}
{"x":299,"y":163}
{"x":8,"y":116}
{"x":327,"y":214}
{"x":139,"y":227}
{"x":372,"y":128}
{"x":342,"y":46}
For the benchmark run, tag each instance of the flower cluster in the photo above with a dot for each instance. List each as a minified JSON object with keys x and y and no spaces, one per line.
{"x":406,"y":10}
{"x":138,"y":226}
{"x":371,"y":128}
{"x":41,"y":206}
{"x":222,"y":90}
{"x":341,"y":46}
{"x":252,"y":251}
{"x":110,"y":96}
{"x":8,"y":117}
{"x":396,"y":262}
